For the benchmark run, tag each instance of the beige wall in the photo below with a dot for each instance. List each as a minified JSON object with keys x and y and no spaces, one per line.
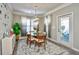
{"x":17,"y":19}
{"x":72,"y":8}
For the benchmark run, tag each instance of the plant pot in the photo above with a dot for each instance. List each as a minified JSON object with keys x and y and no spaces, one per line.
{"x":17,"y":37}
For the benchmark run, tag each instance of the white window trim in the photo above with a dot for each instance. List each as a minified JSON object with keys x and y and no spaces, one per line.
{"x":72,"y":25}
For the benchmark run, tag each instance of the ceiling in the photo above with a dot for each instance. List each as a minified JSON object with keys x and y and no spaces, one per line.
{"x":29,"y":8}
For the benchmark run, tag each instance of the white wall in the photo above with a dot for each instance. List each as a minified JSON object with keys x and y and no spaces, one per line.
{"x":71,"y":8}
{"x":8,"y":20}
{"x":5,"y":10}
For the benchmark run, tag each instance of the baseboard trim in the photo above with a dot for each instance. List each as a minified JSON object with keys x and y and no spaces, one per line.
{"x":74,"y":49}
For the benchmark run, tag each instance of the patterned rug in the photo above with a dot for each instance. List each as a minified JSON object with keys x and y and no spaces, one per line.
{"x":51,"y":49}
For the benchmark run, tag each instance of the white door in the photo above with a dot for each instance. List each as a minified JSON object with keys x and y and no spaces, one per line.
{"x":65,"y":33}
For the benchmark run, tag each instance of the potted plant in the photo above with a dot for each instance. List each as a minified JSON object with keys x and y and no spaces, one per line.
{"x":16,"y":30}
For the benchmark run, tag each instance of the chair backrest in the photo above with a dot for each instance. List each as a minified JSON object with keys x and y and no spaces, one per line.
{"x":28,"y":36}
{"x":41,"y":36}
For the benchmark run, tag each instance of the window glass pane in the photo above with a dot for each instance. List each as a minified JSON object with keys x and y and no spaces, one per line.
{"x":28,"y":25}
{"x":65,"y":28}
{"x":28,"y":22}
{"x":23,"y":20}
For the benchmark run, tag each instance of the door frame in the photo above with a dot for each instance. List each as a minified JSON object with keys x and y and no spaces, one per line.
{"x":71,"y":35}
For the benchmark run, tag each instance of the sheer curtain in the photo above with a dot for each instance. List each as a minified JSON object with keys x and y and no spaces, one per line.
{"x":28,"y":25}
{"x":47,"y":25}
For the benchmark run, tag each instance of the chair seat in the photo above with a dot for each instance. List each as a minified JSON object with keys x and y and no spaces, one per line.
{"x":32,"y":39}
{"x":39,"y":41}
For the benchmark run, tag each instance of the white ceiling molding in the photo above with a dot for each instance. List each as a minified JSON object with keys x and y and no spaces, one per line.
{"x":28,"y":9}
{"x":60,"y":7}
{"x":10,"y":7}
{"x":21,"y":14}
{"x":25,"y":14}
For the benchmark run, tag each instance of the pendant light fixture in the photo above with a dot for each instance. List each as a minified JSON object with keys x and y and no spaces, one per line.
{"x":35,"y":16}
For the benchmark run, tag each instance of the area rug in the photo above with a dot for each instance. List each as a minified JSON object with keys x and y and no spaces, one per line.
{"x":51,"y":49}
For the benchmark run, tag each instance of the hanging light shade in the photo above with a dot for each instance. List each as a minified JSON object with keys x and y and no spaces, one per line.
{"x":35,"y":16}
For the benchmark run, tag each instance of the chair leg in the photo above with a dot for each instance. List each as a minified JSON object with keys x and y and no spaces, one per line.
{"x":44,"y":46}
{"x":38,"y":44}
{"x":27,"y":41}
{"x":38,"y":47}
{"x":30,"y":44}
{"x":35,"y":44}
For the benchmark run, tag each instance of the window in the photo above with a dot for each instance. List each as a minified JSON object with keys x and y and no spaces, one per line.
{"x":64,"y":27}
{"x":28,"y":25}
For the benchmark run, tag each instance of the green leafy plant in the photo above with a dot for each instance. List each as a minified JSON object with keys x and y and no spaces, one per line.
{"x":16,"y":29}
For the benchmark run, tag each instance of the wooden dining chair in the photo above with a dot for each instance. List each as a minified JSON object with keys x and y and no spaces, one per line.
{"x":41,"y":40}
{"x":30,"y":39}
